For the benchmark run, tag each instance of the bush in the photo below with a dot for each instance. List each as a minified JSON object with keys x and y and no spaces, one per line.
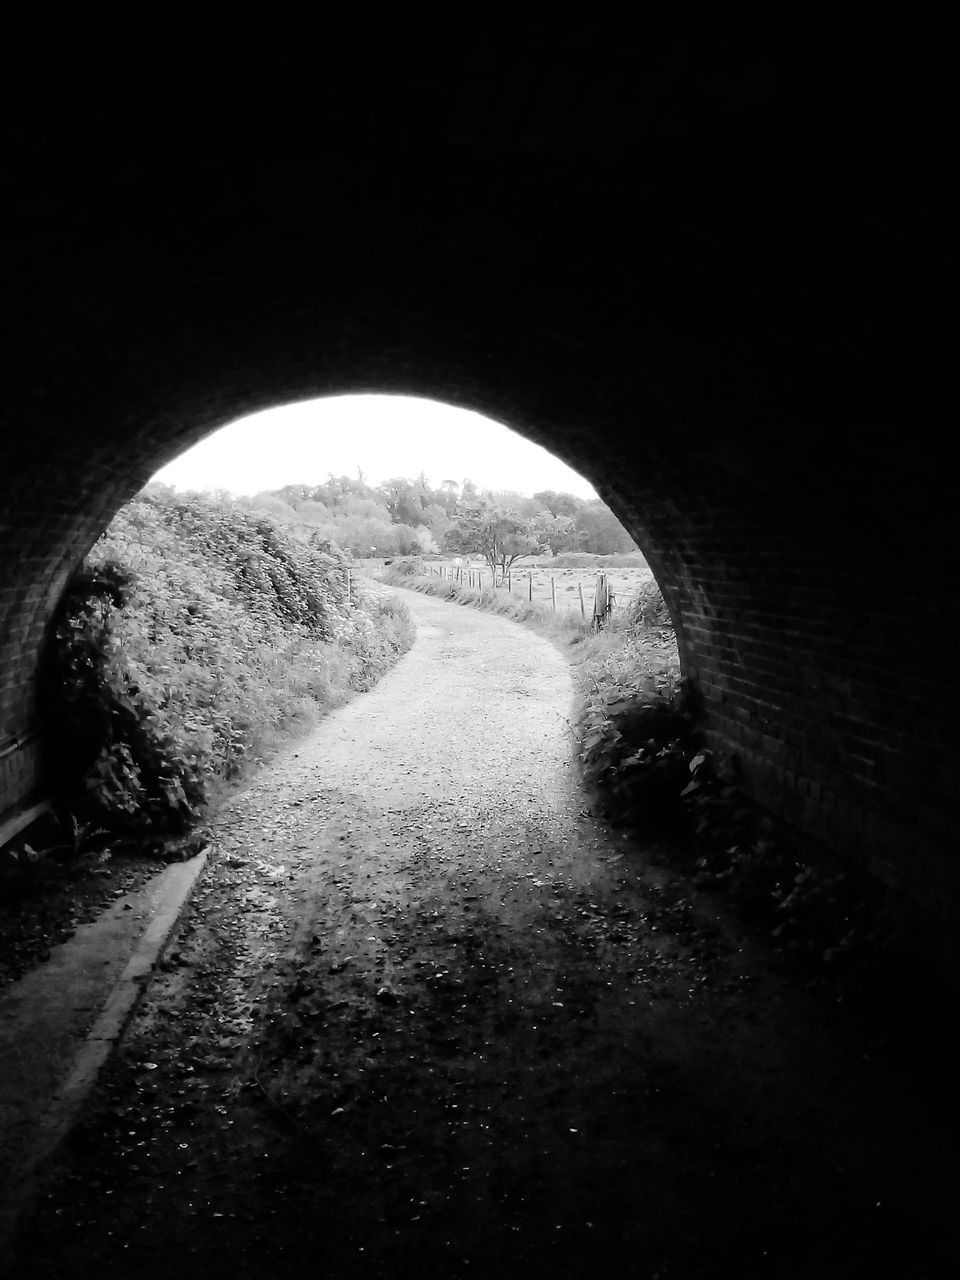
{"x":194,"y":638}
{"x":407,"y":567}
{"x":648,"y":609}
{"x":637,"y":737}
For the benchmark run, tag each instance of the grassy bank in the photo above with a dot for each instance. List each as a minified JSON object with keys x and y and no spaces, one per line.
{"x":557,"y":625}
{"x":194,"y":641}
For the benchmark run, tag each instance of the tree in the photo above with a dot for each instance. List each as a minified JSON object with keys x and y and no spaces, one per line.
{"x":502,"y":537}
{"x":559,"y":533}
{"x":559,"y":504}
{"x":402,"y":499}
{"x":602,"y":533}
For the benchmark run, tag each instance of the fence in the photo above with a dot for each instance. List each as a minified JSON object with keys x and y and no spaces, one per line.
{"x":601,"y":605}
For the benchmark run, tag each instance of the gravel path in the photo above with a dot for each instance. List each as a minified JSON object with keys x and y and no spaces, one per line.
{"x":429,"y":1017}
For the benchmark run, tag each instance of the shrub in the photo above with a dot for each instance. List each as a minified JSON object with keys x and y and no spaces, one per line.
{"x":648,"y":609}
{"x":637,"y":734}
{"x":407,"y":567}
{"x":194,"y":638}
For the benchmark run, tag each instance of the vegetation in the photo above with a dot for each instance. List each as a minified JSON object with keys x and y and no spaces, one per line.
{"x":590,"y":560}
{"x":193,"y":640}
{"x":645,"y":766}
{"x":409,"y":574}
{"x":404,"y":517}
{"x":500,"y":536}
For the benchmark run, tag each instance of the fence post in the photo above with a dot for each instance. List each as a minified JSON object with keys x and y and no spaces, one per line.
{"x":510,"y":583}
{"x":553,"y":593}
{"x":583,"y":607}
{"x":479,"y":580}
{"x":601,"y":601}
{"x":530,"y":587}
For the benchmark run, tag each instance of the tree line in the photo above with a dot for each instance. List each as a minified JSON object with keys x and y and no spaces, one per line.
{"x":403,"y":517}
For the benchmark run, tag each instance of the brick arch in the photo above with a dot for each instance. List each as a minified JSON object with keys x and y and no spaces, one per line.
{"x":701,"y":273}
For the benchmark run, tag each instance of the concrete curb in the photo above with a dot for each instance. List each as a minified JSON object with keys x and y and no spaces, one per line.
{"x":179,"y":881}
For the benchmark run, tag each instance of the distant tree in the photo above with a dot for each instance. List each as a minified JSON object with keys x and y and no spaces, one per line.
{"x":272,"y":504}
{"x":559,"y":533}
{"x":436,"y":520}
{"x":602,"y":533}
{"x":502,"y":537}
{"x":511,"y":500}
{"x":402,"y":499}
{"x":559,"y":504}
{"x":403,"y":516}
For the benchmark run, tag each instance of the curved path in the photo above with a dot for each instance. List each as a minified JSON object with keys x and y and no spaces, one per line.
{"x":426,"y":1016}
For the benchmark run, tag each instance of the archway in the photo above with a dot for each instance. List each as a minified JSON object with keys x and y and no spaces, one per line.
{"x":691,"y":279}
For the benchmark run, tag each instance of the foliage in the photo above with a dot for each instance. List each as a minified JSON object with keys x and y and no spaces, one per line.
{"x":194,"y":637}
{"x":500,"y":602}
{"x":642,"y":757}
{"x":648,"y":609}
{"x":403,"y":517}
{"x":501,"y":536}
{"x":597,"y":529}
{"x":558,"y":533}
{"x":637,"y":731}
{"x":408,"y":567}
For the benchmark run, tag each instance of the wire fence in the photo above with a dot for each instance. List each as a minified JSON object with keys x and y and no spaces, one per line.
{"x":597,"y":603}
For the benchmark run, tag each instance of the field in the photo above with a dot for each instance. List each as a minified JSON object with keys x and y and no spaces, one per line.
{"x":624,"y":581}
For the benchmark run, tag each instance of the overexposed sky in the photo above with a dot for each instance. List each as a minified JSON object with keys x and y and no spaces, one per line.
{"x":384,"y":436}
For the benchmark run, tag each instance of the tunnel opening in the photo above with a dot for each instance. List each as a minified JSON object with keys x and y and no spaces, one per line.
{"x":554,"y":542}
{"x":138,"y":677}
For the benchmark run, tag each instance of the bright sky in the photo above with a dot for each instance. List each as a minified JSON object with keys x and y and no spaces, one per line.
{"x":385,"y":436}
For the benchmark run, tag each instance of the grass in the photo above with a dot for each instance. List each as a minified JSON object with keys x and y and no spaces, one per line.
{"x":543,"y":578}
{"x":556,"y":625}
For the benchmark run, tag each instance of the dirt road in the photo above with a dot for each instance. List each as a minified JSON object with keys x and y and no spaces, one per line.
{"x":428,"y":1017}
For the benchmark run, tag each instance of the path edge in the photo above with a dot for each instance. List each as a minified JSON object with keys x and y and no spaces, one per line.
{"x":99,"y":1042}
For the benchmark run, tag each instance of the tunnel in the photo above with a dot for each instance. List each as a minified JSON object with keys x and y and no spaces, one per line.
{"x":707,"y":272}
